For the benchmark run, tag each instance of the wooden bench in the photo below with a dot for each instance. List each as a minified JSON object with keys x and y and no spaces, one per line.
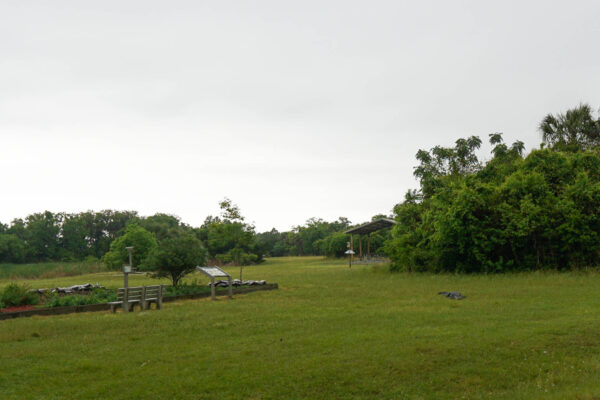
{"x":152,"y":294}
{"x":140,"y":295}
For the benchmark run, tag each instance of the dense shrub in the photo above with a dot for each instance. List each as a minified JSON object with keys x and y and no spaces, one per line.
{"x":511,"y":214}
{"x":98,"y":296}
{"x":14,"y":295}
{"x":186,"y":288}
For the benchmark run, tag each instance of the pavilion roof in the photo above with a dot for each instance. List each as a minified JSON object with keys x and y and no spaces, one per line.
{"x":372,"y":226}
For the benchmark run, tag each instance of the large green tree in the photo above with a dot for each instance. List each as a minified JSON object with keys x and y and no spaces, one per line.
{"x":42,"y":235}
{"x":177,"y":256}
{"x":162,"y":225}
{"x":228,"y":239}
{"x":143,"y":242}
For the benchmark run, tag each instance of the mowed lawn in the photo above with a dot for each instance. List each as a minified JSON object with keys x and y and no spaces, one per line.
{"x":328,"y":333}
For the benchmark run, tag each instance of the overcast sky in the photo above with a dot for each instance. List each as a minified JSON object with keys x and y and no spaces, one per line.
{"x":291,"y":109}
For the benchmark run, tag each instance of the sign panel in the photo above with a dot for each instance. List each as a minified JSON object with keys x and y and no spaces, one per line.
{"x":213,"y":271}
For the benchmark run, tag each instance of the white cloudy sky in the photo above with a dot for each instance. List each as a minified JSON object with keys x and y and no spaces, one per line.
{"x":291,"y":109}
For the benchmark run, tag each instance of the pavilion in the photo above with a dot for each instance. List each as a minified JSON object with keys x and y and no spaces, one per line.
{"x":367,"y":229}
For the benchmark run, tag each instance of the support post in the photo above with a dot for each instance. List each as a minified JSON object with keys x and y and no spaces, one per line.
{"x":360,"y":246}
{"x":212,"y":288}
{"x":230,"y":289}
{"x":351,"y":248}
{"x":369,"y":246}
{"x":126,"y":298}
{"x":126,"y":288}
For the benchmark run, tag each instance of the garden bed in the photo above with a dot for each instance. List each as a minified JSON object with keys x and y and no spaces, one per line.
{"x":106,"y":306}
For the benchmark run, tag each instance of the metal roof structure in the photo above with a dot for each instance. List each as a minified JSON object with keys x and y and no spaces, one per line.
{"x":372,"y":226}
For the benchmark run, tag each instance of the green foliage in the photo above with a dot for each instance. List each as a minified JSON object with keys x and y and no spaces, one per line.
{"x":98,"y":296}
{"x":143,"y":243}
{"x":304,"y":239}
{"x":186,"y":288}
{"x":162,"y":225}
{"x":237,"y":256}
{"x":74,"y":239}
{"x":270,"y":243}
{"x":42,"y":235}
{"x":334,"y":245}
{"x":450,"y":162}
{"x":51,"y":237}
{"x":14,"y":295}
{"x":512,"y":214}
{"x":12,"y":249}
{"x":176,"y":257}
{"x":228,"y":239}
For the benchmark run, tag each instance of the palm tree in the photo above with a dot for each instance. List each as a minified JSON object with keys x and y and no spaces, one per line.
{"x":576,"y":129}
{"x":518,"y":147}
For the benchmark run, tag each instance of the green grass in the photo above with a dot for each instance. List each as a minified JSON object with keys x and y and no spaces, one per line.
{"x":48,"y":270}
{"x":327,"y":333}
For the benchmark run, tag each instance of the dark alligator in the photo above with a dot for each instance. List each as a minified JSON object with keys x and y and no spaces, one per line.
{"x":453,"y":295}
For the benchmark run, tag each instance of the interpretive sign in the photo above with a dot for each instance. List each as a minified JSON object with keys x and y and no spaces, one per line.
{"x":215,"y":272}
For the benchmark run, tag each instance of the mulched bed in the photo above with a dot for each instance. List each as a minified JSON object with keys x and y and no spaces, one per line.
{"x":17,"y":308}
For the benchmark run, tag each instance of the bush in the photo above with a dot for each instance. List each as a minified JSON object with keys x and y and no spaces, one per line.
{"x":15,"y":295}
{"x":186,"y":288}
{"x":98,"y":296}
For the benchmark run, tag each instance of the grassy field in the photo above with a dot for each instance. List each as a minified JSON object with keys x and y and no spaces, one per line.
{"x":327,"y":333}
{"x":48,"y":270}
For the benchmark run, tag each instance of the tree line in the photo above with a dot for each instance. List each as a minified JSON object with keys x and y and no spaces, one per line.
{"x":226,"y":238}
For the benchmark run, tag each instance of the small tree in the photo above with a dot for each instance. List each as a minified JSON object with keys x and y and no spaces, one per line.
{"x":176,"y":257}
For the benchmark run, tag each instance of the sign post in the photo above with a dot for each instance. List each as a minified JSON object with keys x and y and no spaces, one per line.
{"x":350,"y":253}
{"x":126,"y":272}
{"x":215,"y":272}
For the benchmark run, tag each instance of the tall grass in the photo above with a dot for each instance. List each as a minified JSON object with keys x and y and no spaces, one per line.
{"x":48,"y":270}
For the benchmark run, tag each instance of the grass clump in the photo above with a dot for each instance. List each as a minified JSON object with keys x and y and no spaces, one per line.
{"x":14,"y":295}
